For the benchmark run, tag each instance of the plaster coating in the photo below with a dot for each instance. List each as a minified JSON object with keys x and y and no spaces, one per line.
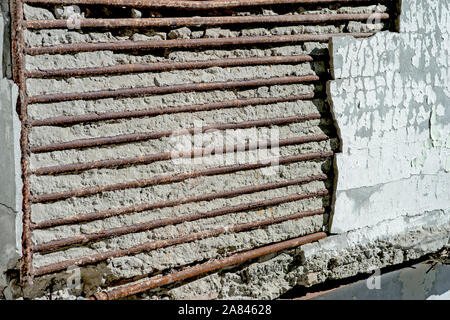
{"x":391,"y":103}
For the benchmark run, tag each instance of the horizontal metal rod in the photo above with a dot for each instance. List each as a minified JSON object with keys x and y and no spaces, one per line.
{"x":184,"y":43}
{"x":236,"y":103}
{"x":97,"y":215}
{"x":139,"y":137}
{"x":146,"y":226}
{"x":159,"y":244}
{"x":204,"y":268}
{"x":189,"y":4}
{"x":202,"y":21}
{"x":164,"y":156}
{"x":167,"y":66}
{"x":177,"y":177}
{"x":150,"y":90}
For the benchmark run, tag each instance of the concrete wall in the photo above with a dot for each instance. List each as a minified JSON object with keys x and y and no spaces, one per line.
{"x":390,"y":103}
{"x":10,"y":172}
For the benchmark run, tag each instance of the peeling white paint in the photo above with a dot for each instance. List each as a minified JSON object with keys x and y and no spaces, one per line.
{"x":393,"y":115}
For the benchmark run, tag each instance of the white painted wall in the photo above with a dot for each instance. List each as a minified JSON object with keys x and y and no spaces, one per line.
{"x":391,"y":102}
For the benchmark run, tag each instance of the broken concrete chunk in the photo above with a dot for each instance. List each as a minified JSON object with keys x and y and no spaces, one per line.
{"x":255,"y":32}
{"x":32,"y":13}
{"x":68,"y":12}
{"x":356,"y":26}
{"x":182,"y":33}
{"x":220,"y":33}
{"x":267,"y":12}
{"x":136,"y":13}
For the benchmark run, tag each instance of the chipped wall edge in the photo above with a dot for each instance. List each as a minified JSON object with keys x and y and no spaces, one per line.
{"x":10,"y":154}
{"x":390,"y":100}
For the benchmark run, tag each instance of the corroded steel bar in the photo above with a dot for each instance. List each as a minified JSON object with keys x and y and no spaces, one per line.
{"x":19,"y":67}
{"x":178,"y":177}
{"x":138,"y":137}
{"x":97,"y":215}
{"x":237,"y":103}
{"x":163,"y":156}
{"x":203,"y":21}
{"x":184,"y":43}
{"x":141,"y":227}
{"x":159,"y":244}
{"x":189,"y":4}
{"x":168,"y":66}
{"x":191,"y":87}
{"x":204,"y":268}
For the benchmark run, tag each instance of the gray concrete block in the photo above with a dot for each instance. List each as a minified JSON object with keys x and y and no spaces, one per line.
{"x":10,"y":179}
{"x":418,"y":282}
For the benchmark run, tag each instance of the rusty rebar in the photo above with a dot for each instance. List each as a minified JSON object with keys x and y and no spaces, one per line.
{"x":167,"y":66}
{"x":203,"y":21}
{"x":163,"y":156}
{"x":146,"y":226}
{"x":190,"y":87}
{"x":19,"y":67}
{"x":205,"y":268}
{"x":184,"y":43}
{"x":98,"y":215}
{"x":164,"y":243}
{"x":190,"y":4}
{"x":177,"y":177}
{"x":236,"y":103}
{"x":139,"y":137}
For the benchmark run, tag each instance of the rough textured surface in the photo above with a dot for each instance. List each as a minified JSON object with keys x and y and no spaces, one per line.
{"x":389,"y":237}
{"x":335,"y":257}
{"x":163,"y":260}
{"x":390,"y":99}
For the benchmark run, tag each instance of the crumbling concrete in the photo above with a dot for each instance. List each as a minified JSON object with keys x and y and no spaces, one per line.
{"x":341,"y":256}
{"x":371,"y":237}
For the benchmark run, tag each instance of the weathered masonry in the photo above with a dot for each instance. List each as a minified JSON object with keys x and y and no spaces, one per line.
{"x":218,"y":149}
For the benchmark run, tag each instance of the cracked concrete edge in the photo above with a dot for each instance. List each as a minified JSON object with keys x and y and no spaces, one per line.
{"x":365,"y":250}
{"x":10,"y":168}
{"x":335,"y":257}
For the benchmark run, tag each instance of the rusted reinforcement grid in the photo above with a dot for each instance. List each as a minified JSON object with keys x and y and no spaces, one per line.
{"x":21,"y":74}
{"x":140,"y":227}
{"x":237,"y":103}
{"x":192,"y":4}
{"x":203,"y":21}
{"x":185,"y":43}
{"x":164,"y":204}
{"x":158,"y":244}
{"x":141,"y":286}
{"x":135,"y":137}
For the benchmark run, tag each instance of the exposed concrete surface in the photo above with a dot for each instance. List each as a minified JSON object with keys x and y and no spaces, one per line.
{"x":335,"y":257}
{"x":10,"y":169}
{"x":164,"y":260}
{"x":387,"y":234}
{"x":391,"y":102}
